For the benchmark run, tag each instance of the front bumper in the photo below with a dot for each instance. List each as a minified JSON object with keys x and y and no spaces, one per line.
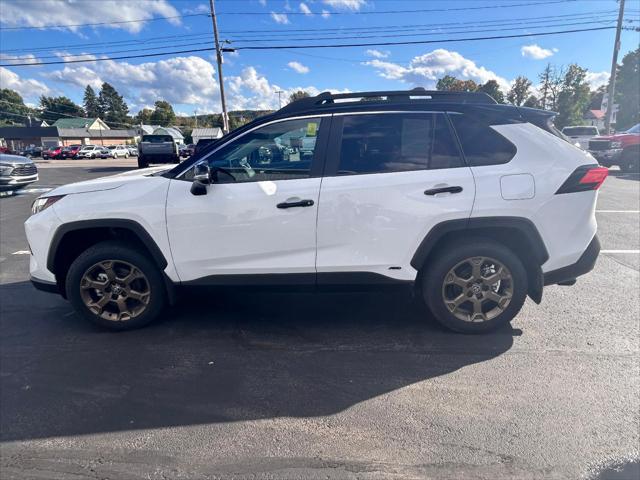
{"x":606,"y":157}
{"x":44,"y":286}
{"x":586,"y":262}
{"x":18,"y":180}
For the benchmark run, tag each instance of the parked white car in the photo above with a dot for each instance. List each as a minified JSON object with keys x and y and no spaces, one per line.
{"x":580,"y":135}
{"x":118,"y":151}
{"x":474,"y":204}
{"x":89,"y":151}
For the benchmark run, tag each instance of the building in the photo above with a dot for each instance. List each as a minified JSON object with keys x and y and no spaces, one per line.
{"x":206,"y":133}
{"x":175,"y":133}
{"x":98,"y":136}
{"x":19,"y":138}
{"x":595,"y":118}
{"x":81,"y":122}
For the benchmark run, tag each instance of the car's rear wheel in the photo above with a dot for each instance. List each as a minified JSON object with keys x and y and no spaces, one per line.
{"x":115,"y":286}
{"x":475,"y":286}
{"x":142,"y":162}
{"x":630,"y":162}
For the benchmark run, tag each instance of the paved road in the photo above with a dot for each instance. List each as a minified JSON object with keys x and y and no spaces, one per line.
{"x":340,"y":385}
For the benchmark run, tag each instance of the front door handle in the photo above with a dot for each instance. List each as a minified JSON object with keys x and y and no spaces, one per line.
{"x":298,"y":203}
{"x":435,"y":191}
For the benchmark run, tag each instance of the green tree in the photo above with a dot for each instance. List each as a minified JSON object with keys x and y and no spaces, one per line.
{"x":532,"y":101}
{"x":113,"y":106}
{"x":90,"y":102}
{"x":13,"y":111}
{"x":54,"y":108}
{"x":298,"y":95}
{"x":574,"y":97}
{"x":163,"y":114}
{"x":143,"y":116}
{"x":453,"y":84}
{"x":628,"y":91}
{"x":493,"y":90}
{"x":519,"y":91}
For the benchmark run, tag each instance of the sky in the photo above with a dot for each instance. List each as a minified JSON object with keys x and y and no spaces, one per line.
{"x":57,"y":31}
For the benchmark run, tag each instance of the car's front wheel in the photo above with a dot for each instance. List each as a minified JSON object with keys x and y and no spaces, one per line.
{"x":630,"y":162}
{"x":475,"y":286}
{"x":115,"y":286}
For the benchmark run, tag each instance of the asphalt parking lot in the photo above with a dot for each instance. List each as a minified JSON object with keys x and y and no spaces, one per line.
{"x":335,"y":385}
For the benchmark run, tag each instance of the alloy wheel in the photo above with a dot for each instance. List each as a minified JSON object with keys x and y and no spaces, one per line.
{"x":115,"y":290}
{"x":477,"y":289}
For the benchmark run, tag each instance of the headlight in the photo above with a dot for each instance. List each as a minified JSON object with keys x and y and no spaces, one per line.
{"x":616,"y":144}
{"x":5,"y":170}
{"x":43,"y":203}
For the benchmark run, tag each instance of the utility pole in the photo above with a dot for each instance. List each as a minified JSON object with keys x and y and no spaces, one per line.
{"x":225,"y":118}
{"x":614,"y":66}
{"x":279,"y":92}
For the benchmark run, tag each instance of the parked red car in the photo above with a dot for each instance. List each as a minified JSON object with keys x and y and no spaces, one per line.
{"x":53,"y":152}
{"x":622,"y":149}
{"x":71,"y":151}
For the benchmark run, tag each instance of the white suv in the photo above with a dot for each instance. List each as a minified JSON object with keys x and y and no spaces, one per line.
{"x":476,"y":205}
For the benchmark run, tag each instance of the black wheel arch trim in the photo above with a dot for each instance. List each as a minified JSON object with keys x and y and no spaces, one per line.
{"x":521,"y":224}
{"x":121,"y":223}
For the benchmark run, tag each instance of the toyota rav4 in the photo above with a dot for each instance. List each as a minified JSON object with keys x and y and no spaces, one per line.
{"x":474,"y":204}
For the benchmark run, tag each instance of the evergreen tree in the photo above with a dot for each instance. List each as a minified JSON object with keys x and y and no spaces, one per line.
{"x":13,"y":111}
{"x":163,"y":114}
{"x":532,"y":101}
{"x":143,"y":116}
{"x":90,"y":102}
{"x":574,"y":97}
{"x":493,"y":90}
{"x":54,"y":108}
{"x":628,"y":91}
{"x":519,"y":90}
{"x":113,"y":106}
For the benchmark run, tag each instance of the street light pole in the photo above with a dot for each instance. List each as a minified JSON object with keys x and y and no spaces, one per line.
{"x":225,"y":118}
{"x":279,"y":100}
{"x":614,"y":66}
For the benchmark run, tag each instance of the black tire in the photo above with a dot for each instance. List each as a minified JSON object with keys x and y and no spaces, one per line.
{"x":630,"y":162}
{"x":176,"y":159}
{"x":118,"y":251}
{"x":433,"y":280}
{"x":142,"y":162}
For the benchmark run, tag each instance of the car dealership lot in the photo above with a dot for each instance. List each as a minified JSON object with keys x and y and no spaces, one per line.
{"x":334,"y":385}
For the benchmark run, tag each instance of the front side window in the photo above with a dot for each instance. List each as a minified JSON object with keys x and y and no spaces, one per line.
{"x":397,"y":142}
{"x":280,"y":151}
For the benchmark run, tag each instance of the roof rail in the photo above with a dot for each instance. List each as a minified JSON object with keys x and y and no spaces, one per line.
{"x":387,"y":96}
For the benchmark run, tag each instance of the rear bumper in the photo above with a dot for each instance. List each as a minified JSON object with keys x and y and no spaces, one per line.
{"x":585,"y":264}
{"x":606,"y":157}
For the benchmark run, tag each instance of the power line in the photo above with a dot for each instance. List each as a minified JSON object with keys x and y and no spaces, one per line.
{"x":343,"y":45}
{"x":396,"y":35}
{"x":375,"y":12}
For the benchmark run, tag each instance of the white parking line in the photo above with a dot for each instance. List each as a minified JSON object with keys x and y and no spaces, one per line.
{"x":619,"y":251}
{"x":617,"y":211}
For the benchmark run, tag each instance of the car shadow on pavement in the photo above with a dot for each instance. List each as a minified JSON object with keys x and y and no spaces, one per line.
{"x":624,"y":175}
{"x":109,"y":169}
{"x":217,"y":357}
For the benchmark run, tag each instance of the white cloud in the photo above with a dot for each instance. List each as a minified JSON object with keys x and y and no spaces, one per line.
{"x":298,"y":67}
{"x":537,"y":52}
{"x":28,"y":88}
{"x":326,"y":14}
{"x":345,"y":4}
{"x":44,"y":13}
{"x":378,"y":53}
{"x":304,"y":9}
{"x":597,"y":79}
{"x":425,"y":70}
{"x":200,"y":8}
{"x":280,"y":18}
{"x":12,"y":59}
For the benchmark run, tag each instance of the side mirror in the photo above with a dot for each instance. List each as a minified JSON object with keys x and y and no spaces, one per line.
{"x":201,"y":178}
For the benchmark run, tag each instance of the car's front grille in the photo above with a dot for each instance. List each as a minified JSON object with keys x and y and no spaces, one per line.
{"x":599,"y":144}
{"x":24,"y":171}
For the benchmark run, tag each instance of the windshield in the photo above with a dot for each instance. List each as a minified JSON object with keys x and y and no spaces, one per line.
{"x":157,"y":138}
{"x":580,"y":131}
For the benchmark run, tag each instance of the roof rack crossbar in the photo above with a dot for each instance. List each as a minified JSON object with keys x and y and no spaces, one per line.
{"x":397,"y":96}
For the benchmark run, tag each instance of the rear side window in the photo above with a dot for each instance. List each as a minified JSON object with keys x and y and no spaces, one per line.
{"x":481,"y":144}
{"x":396,"y":143}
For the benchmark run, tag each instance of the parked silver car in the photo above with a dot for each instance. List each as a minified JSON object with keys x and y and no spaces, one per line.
{"x":16,"y":171}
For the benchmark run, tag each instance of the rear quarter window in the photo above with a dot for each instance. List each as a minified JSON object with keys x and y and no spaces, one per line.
{"x":481,"y":144}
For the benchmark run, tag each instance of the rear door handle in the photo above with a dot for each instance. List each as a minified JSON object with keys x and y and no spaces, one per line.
{"x":299,"y":203}
{"x":435,"y":191}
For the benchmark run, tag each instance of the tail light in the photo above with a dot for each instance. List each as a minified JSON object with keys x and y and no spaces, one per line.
{"x":584,"y":178}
